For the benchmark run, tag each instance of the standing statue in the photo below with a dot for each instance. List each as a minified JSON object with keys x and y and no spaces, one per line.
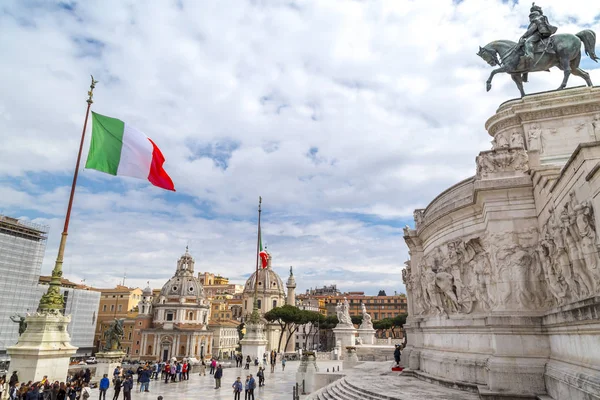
{"x":539,"y":50}
{"x":366,"y":321}
{"x":113,"y":335}
{"x":343,"y":313}
{"x":21,"y":321}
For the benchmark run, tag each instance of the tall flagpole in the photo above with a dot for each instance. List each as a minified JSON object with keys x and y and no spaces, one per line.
{"x":255,"y":316}
{"x":52,"y":300}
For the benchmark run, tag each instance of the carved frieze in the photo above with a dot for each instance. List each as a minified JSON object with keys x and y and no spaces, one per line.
{"x":502,"y":162}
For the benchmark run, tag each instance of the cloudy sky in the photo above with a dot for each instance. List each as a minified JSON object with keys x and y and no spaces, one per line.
{"x":344,"y":116}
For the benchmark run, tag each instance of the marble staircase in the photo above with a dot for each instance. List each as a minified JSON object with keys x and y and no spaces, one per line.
{"x":342,"y":389}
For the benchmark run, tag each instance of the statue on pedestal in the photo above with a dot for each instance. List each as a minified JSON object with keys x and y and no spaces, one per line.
{"x":113,"y":335}
{"x":366,"y":321}
{"x":343,"y":313}
{"x":21,"y":321}
{"x":539,"y":49}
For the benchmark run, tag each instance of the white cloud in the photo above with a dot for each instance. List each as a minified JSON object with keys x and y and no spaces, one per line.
{"x":388,"y":94}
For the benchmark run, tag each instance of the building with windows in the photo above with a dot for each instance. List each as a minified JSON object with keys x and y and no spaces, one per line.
{"x":118,"y":303}
{"x":22,"y":247}
{"x":175,"y":323}
{"x":226,"y":339}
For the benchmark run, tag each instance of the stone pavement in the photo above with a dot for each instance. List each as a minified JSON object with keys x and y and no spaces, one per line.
{"x":278,"y":385}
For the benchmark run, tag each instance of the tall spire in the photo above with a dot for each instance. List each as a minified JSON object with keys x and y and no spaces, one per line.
{"x":255,"y":316}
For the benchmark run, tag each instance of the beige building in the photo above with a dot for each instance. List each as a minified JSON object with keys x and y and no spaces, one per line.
{"x":118,"y":302}
{"x":175,"y":323}
{"x":226,"y":339}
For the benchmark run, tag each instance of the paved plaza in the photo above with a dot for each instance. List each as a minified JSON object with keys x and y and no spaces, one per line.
{"x":278,"y":385}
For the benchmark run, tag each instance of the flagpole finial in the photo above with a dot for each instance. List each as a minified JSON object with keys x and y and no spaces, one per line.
{"x":91,"y":91}
{"x":259,"y":203}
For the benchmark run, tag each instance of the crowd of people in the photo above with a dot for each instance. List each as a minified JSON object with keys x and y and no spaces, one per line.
{"x":77,"y":385}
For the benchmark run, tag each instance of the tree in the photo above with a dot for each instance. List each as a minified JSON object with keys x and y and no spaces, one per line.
{"x":326,"y":330}
{"x":397,"y":322}
{"x":311,"y":319}
{"x":381,"y":293}
{"x":356,"y":319}
{"x":287,"y":317}
{"x":382,"y":325}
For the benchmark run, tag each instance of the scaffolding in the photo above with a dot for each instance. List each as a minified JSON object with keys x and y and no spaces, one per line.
{"x":22,"y":247}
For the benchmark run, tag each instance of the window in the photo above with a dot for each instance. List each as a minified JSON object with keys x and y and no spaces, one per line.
{"x":169,"y":316}
{"x":104,"y":307}
{"x":112,"y":307}
{"x":137,"y":351}
{"x":274,"y":303}
{"x":259,"y":302}
{"x":120,"y":307}
{"x":137,"y":342}
{"x":129,"y":335}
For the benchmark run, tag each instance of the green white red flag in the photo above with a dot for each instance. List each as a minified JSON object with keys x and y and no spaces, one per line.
{"x":117,"y":148}
{"x":264,"y":256}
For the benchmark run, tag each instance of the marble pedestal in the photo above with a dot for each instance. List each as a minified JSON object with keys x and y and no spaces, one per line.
{"x":107,"y":362}
{"x":43,"y":349}
{"x":254,"y":343}
{"x":351,"y":358}
{"x":367,"y":335}
{"x":346,"y":335}
{"x":306,"y":372}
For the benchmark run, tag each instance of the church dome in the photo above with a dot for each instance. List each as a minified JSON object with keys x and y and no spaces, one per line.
{"x":268,"y":281}
{"x":183,"y":284}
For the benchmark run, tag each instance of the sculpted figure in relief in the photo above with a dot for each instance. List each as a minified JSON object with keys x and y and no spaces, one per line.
{"x":516,"y":140}
{"x":587,"y":231}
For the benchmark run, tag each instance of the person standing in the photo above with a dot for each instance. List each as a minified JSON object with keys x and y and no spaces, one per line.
{"x":218,"y":375}
{"x":127,"y":387}
{"x":261,"y":377}
{"x":213,"y":365}
{"x":167,"y":372}
{"x":184,"y":370}
{"x":282,"y":364}
{"x":237,"y":388}
{"x":397,"y":354}
{"x":145,"y":380}
{"x":251,"y":387}
{"x":248,"y":360}
{"x":247,"y":387}
{"x":104,"y":383}
{"x":86,"y":392}
{"x":117,"y":383}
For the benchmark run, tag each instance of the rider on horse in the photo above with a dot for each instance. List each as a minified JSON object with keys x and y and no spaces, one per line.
{"x":539,"y":29}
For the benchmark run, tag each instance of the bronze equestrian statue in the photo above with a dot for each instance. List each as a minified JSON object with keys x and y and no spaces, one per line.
{"x":539,"y":49}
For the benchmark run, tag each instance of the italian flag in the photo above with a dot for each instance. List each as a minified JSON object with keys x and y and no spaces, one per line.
{"x":119,"y":149}
{"x":264,"y":257}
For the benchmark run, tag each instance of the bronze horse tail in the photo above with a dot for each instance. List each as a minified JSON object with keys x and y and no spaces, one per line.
{"x":588,"y":37}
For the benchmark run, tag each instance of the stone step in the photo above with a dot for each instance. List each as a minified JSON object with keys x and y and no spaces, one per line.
{"x":344,"y":393}
{"x":356,"y":394}
{"x":368,"y":394}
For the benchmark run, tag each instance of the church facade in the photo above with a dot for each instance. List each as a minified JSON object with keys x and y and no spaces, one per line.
{"x":175,"y":323}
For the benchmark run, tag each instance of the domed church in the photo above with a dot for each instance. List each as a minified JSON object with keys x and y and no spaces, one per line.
{"x":270,"y":293}
{"x":176,"y":321}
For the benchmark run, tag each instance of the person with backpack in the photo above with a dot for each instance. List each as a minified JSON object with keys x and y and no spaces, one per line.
{"x":86,"y":392}
{"x":261,"y":376}
{"x":251,"y":387}
{"x":117,"y":383}
{"x":127,"y":387}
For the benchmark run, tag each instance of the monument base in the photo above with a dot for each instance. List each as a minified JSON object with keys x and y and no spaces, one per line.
{"x":346,"y":335}
{"x":305,"y":377}
{"x":44,"y":349}
{"x":367,"y":335}
{"x":254,"y":343}
{"x":107,"y":362}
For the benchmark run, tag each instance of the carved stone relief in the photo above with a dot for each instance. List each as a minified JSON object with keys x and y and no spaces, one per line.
{"x":418,"y":216}
{"x":501,"y":161}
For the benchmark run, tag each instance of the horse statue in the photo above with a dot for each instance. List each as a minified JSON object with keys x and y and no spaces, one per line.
{"x":565,"y":54}
{"x":113,"y":335}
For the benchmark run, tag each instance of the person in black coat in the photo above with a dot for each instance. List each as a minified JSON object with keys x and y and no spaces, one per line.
{"x":397,"y":354}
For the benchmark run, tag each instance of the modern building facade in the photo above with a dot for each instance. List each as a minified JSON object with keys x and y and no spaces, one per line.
{"x":22,"y":247}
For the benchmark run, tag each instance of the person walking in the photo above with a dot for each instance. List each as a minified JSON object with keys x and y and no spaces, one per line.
{"x":252,"y":386}
{"x":261,"y":376}
{"x":283,"y":364}
{"x":167,"y":372}
{"x":174,"y":371}
{"x":104,"y":384}
{"x":218,"y":375}
{"x":237,"y":388}
{"x":117,"y":383}
{"x":127,"y":387}
{"x":213,"y":365}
